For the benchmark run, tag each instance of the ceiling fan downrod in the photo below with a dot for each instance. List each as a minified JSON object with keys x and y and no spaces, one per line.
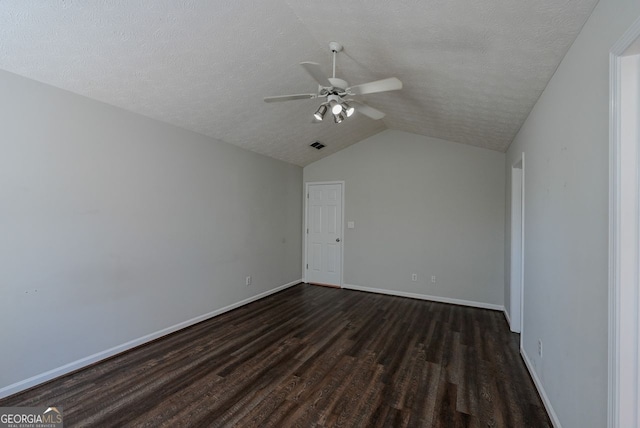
{"x":335,"y":48}
{"x":335,"y":102}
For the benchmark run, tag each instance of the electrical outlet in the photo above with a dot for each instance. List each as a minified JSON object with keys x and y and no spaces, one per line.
{"x":433,"y":279}
{"x":414,"y":277}
{"x":540,"y":348}
{"x":247,"y":281}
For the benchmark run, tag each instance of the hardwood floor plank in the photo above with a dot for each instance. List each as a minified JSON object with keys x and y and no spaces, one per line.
{"x":347,"y":402}
{"x":468,"y":383}
{"x":274,"y":401}
{"x":423,"y":403}
{"x":311,"y":356}
{"x":402,"y":376}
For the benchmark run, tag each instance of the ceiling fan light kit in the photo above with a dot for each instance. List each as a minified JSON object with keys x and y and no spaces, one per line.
{"x":335,"y":103}
{"x":348,"y":109}
{"x":336,"y":90}
{"x":322,"y":110}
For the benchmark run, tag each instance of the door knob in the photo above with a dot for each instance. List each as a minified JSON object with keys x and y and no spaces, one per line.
{"x":337,"y":239}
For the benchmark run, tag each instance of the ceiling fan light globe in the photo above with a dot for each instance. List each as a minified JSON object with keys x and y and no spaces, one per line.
{"x":338,"y":118}
{"x":348,"y":109}
{"x":319,"y":114}
{"x":336,"y":108}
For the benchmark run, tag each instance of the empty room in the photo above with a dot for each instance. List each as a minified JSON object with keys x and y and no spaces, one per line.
{"x":293,"y":213}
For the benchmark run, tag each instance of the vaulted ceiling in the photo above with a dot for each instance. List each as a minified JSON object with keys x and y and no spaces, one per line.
{"x":472,"y":70}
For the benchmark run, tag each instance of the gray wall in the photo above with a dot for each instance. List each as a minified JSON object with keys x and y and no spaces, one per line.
{"x":565,"y":140}
{"x":114,"y":226}
{"x":421,"y":205}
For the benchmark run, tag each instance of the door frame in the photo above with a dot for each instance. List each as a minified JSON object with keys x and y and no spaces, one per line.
{"x":624,"y":296}
{"x":305,"y":225}
{"x":516,"y":324}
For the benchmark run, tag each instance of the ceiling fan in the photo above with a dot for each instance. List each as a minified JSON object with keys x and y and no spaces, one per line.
{"x":338,"y":92}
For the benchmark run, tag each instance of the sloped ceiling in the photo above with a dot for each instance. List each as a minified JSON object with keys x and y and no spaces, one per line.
{"x":472,"y":71}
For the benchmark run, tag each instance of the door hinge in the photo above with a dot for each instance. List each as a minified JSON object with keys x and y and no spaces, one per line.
{"x":307,"y":265}
{"x":307,"y":196}
{"x":307,"y":230}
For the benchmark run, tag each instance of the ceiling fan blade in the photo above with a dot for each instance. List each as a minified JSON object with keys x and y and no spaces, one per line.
{"x":315,"y":71}
{"x":369,"y":111}
{"x":289,"y":97}
{"x":390,"y":84}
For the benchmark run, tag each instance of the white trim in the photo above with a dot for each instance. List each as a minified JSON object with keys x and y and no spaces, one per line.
{"x":91,"y":359}
{"x":471,"y":303}
{"x":506,"y":315}
{"x":305,"y":202}
{"x":621,"y":412}
{"x":614,"y":233}
{"x":305,"y":225}
{"x":522,"y":266}
{"x":543,"y":394}
{"x":519,"y":283}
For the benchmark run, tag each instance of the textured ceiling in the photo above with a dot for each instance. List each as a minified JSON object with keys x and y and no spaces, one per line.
{"x":471,"y":70}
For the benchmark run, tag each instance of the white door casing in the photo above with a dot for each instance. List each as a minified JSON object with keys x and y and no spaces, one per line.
{"x":517,"y":245}
{"x":324,"y":233}
{"x":624,"y":231}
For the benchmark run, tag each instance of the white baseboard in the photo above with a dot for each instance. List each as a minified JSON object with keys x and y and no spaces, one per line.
{"x":426,"y":297}
{"x":91,"y":359}
{"x":506,"y":315}
{"x":536,"y":380}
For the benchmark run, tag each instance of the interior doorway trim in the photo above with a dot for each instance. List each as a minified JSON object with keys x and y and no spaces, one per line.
{"x":624,"y":241}
{"x":516,"y":268}
{"x":306,"y":225}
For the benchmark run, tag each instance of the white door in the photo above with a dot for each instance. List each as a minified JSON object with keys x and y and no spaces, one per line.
{"x":324,"y":234}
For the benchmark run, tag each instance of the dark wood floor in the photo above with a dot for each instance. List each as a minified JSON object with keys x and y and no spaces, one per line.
{"x":312,"y":356}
